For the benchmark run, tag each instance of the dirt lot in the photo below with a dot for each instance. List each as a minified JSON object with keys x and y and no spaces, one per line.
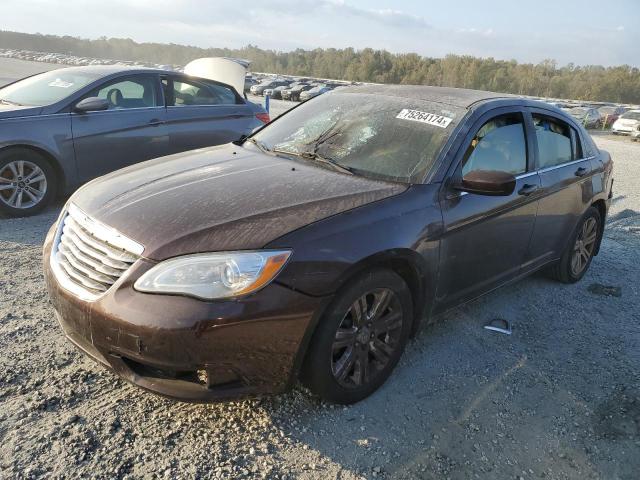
{"x":560,"y":398}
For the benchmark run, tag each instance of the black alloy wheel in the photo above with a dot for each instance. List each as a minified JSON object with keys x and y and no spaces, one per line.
{"x":360,"y":338}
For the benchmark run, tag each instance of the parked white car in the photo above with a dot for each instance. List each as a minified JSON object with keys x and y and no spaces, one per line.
{"x":627,"y":123}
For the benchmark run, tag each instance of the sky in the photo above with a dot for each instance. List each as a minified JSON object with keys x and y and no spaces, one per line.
{"x":568,"y":31}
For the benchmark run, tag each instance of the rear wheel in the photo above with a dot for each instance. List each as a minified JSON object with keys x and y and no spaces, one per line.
{"x":360,"y":339}
{"x":577,"y":257}
{"x":27,"y":182}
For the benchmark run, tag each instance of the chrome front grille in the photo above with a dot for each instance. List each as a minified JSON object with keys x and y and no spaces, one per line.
{"x":88,"y":257}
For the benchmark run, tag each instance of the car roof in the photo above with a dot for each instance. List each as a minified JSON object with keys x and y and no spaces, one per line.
{"x":458,"y":97}
{"x":111,"y":69}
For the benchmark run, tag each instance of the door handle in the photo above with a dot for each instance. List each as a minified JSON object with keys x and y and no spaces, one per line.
{"x":527,"y":189}
{"x":581,"y":172}
{"x":154,"y":122}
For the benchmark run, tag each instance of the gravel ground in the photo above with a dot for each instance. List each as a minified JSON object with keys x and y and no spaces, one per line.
{"x":558,"y":399}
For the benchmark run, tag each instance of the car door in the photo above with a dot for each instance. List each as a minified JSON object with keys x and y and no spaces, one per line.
{"x":203,"y":113}
{"x":566,"y":190}
{"x":131,"y":130}
{"x":486,"y":237}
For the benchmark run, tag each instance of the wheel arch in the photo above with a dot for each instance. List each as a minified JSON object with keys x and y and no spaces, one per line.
{"x":601,"y":206}
{"x":408,"y":264}
{"x":53,"y":161}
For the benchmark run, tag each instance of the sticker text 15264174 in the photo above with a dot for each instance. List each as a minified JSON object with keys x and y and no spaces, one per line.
{"x":424,"y":117}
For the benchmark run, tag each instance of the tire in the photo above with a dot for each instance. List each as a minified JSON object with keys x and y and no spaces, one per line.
{"x":589,"y":228}
{"x":20,"y":196}
{"x":327,"y":370}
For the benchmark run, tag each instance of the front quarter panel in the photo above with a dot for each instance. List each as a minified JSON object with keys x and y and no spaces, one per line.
{"x":329,"y":252}
{"x":50,"y":133}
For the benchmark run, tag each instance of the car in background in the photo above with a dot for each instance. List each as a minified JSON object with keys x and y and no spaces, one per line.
{"x":635,"y":135}
{"x":627,"y":123}
{"x":314,"y":92}
{"x":610,"y":113}
{"x":262,"y":86}
{"x":248,"y":83}
{"x":62,"y":128}
{"x":313,"y":249}
{"x":293,"y":93}
{"x":589,"y":117}
{"x":276,"y":92}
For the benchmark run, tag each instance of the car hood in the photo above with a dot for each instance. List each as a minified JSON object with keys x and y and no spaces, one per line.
{"x":13,"y":111}
{"x":221,"y":199}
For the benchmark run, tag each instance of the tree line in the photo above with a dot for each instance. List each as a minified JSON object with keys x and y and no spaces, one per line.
{"x":592,"y":82}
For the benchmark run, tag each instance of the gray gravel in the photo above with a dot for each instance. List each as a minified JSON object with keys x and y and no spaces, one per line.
{"x":560,"y":398}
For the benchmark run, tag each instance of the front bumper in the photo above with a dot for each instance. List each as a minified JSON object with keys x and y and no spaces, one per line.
{"x":185,"y":348}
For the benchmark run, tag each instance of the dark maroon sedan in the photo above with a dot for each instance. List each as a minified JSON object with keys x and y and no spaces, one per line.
{"x":314,"y":249}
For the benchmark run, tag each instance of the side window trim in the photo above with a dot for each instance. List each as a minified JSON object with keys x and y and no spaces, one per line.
{"x":530,"y":142}
{"x":160,"y":100}
{"x":574,"y":144}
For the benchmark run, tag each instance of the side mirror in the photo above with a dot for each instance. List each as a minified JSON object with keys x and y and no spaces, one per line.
{"x":488,"y":182}
{"x":91,"y":104}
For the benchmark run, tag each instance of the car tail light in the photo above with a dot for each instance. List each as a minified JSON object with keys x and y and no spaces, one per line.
{"x":263,"y":117}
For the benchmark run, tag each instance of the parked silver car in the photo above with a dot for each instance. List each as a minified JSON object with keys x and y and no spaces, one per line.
{"x":627,"y":124}
{"x":64,"y":127}
{"x":314,"y":92}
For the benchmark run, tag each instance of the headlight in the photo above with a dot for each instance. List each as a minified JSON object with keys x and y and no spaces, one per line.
{"x":212,"y":276}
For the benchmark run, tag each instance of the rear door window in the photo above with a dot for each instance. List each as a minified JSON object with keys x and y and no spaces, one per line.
{"x":187,"y":92}
{"x":499,"y":145}
{"x":554,"y":141}
{"x":577,"y":145}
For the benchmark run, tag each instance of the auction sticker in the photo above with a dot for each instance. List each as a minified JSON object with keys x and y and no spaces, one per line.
{"x":424,"y":117}
{"x":60,"y":83}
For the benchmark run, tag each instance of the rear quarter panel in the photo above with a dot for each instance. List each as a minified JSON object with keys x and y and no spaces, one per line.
{"x":193,"y":127}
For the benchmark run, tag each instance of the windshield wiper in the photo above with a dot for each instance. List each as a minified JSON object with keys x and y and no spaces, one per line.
{"x":258,"y":144}
{"x":316,"y":157}
{"x":7,"y":102}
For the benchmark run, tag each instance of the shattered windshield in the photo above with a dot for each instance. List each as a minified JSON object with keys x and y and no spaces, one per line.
{"x":376,"y":136}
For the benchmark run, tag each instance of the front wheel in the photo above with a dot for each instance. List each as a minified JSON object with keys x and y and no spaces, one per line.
{"x":581,"y":249}
{"x":360,"y":338}
{"x":27,"y":182}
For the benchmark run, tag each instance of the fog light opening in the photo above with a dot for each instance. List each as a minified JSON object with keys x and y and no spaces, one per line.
{"x":203,"y":377}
